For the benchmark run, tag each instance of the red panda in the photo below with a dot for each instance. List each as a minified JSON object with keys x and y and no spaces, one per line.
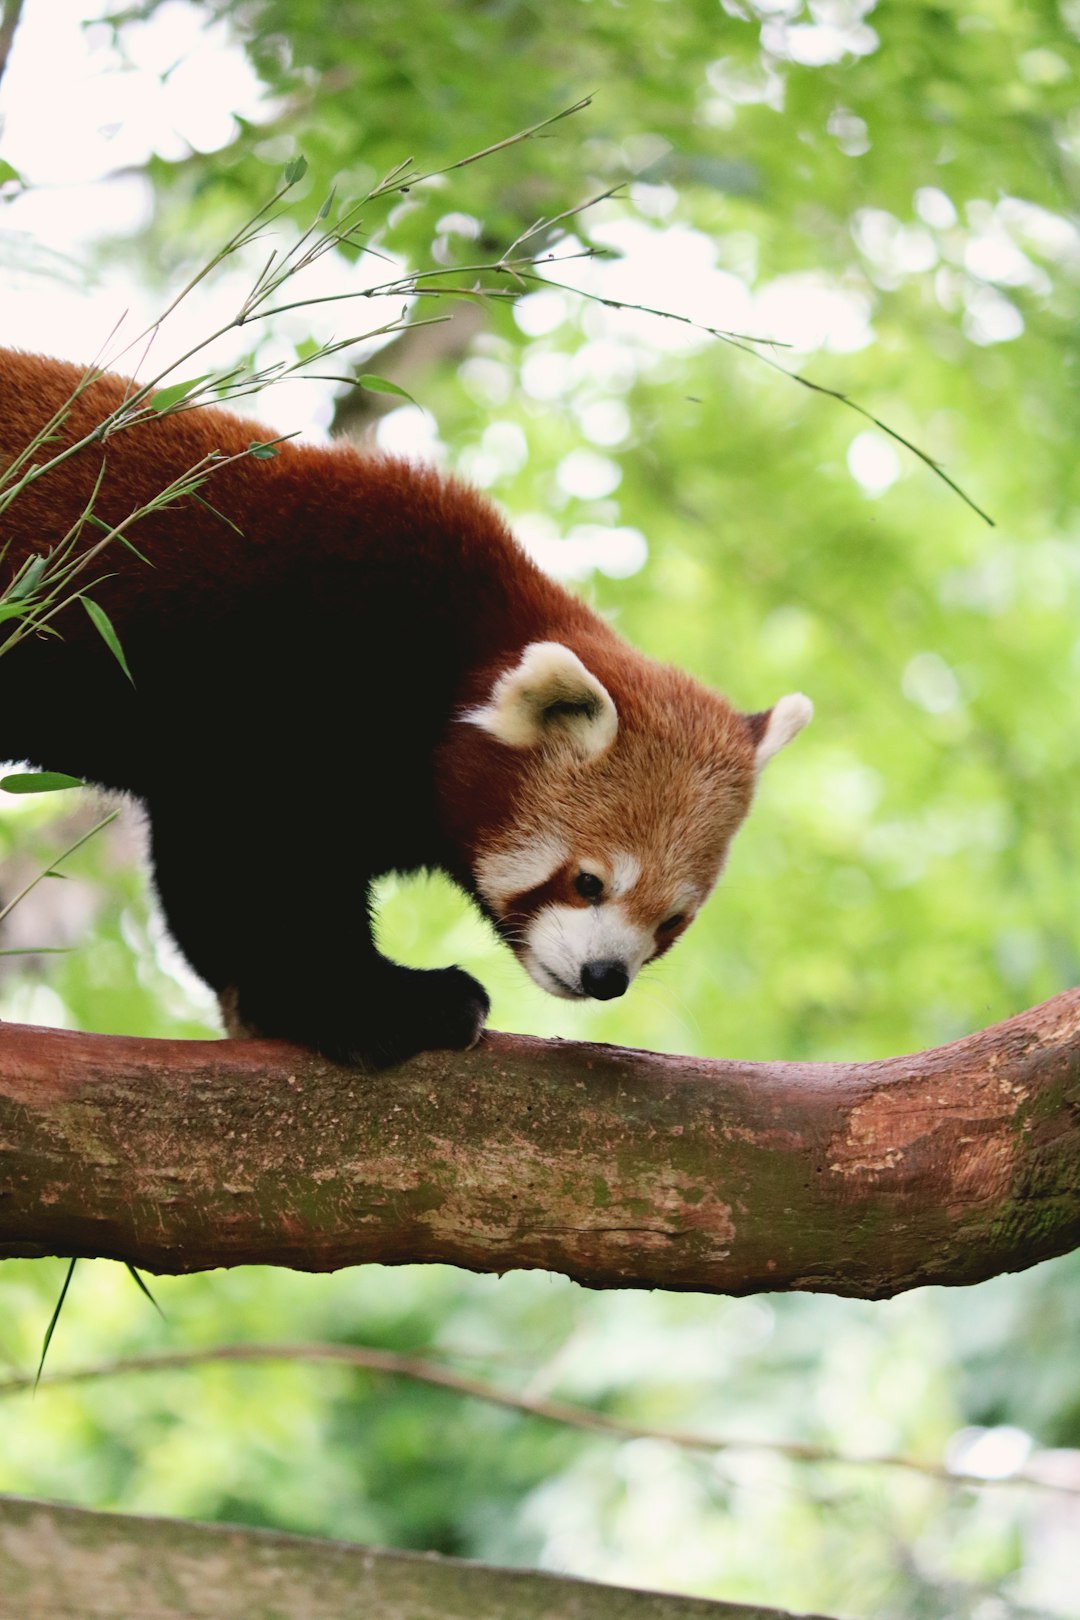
{"x":372,"y":625}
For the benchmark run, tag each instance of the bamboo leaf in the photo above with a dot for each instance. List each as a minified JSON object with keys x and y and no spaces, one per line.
{"x":380,"y":385}
{"x":103,"y":625}
{"x":133,"y":548}
{"x":140,"y":1283}
{"x":25,"y":581}
{"x":165,"y":398}
{"x":228,"y":522}
{"x":39,"y":782}
{"x":54,"y":1319}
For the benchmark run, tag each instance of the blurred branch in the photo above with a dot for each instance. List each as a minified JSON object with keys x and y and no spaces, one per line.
{"x":619,"y":1168}
{"x":62,"y":1561}
{"x":10,"y":12}
{"x":421,"y":1370}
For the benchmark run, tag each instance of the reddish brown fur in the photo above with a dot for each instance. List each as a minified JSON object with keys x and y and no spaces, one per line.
{"x":682,"y":760}
{"x":189,"y":547}
{"x":365,"y":605}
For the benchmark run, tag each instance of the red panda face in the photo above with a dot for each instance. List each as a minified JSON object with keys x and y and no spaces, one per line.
{"x":607,"y":818}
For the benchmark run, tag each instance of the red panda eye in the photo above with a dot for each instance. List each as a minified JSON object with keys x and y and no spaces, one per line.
{"x":589,"y":886}
{"x":672,"y":922}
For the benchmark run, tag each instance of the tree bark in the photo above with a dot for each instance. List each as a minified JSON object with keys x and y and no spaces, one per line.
{"x":619,"y":1168}
{"x":65,"y":1562}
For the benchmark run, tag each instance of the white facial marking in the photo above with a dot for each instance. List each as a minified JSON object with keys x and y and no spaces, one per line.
{"x":561,"y":939}
{"x":787,"y":717}
{"x":625,"y":871}
{"x":520,"y":867}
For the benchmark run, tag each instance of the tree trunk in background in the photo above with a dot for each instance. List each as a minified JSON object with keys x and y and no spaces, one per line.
{"x":407,"y":360}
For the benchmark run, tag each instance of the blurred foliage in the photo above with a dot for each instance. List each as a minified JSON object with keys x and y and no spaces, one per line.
{"x":892,"y":190}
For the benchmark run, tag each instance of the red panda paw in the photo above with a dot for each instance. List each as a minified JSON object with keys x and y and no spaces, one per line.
{"x":375,"y":1023}
{"x":407,"y":1011}
{"x":444,"y":1008}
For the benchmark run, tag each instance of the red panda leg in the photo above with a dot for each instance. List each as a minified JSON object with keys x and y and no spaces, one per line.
{"x":300,"y":963}
{"x":387,"y":1013}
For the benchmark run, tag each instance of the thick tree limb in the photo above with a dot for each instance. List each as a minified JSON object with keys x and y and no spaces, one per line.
{"x":64,"y":1562}
{"x":619,"y":1168}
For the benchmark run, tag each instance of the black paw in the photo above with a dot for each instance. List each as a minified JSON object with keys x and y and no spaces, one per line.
{"x":455,"y":1010}
{"x":429,"y":1010}
{"x":383,"y":1020}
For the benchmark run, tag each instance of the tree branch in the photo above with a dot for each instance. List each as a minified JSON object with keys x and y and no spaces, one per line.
{"x":66,"y":1561}
{"x":619,"y":1168}
{"x":1035,"y":1472}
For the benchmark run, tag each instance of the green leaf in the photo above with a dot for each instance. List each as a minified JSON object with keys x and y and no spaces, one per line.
{"x":39,"y":782}
{"x":8,"y":173}
{"x":103,"y":625}
{"x":140,"y":1283}
{"x":37,"y":950}
{"x":380,"y":385}
{"x":261,"y":452}
{"x":295,"y":170}
{"x":26,"y":580}
{"x":165,"y":398}
{"x":133,"y":548}
{"x":54,"y":1319}
{"x":328,"y":204}
{"x":228,"y":522}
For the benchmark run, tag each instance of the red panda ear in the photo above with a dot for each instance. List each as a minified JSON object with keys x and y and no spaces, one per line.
{"x":549,"y":696}
{"x":772,"y":728}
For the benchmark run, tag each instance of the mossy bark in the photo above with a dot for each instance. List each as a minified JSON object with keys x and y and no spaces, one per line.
{"x":61,"y":1561}
{"x":619,"y":1168}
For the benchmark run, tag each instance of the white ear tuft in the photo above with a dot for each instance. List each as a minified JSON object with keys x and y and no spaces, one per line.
{"x":785,"y":720}
{"x":549,"y":695}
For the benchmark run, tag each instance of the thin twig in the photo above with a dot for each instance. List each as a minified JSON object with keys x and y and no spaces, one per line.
{"x":739,"y":340}
{"x":36,"y":617}
{"x":419,"y":1370}
{"x":48,"y":870}
{"x":545,"y":224}
{"x":396,"y":180}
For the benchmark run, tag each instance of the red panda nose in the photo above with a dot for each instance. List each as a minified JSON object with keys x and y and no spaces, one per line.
{"x":604,"y":980}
